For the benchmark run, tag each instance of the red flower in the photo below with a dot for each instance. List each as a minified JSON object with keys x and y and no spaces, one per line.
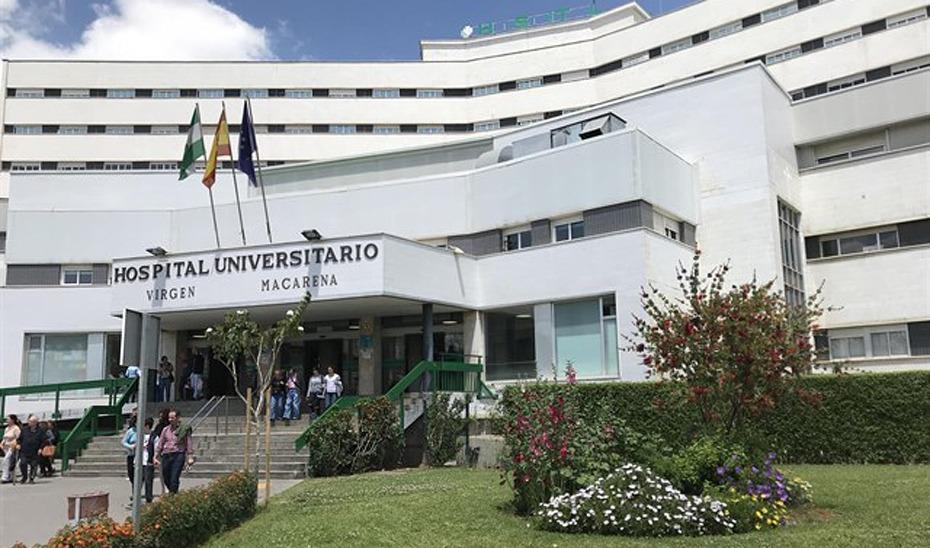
{"x":519,"y":458}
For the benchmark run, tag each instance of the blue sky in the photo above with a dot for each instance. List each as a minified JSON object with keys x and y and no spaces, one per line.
{"x":347,"y":29}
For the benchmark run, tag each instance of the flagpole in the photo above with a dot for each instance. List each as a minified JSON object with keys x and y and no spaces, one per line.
{"x":258,"y":161}
{"x":216,"y":231}
{"x":232,"y":168}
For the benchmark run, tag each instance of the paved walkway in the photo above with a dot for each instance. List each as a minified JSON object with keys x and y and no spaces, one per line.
{"x":33,"y":513}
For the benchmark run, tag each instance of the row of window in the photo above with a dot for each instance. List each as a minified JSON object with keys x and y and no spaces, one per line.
{"x":901,"y":136}
{"x":721,"y":31}
{"x":858,"y":79}
{"x":290,"y":129}
{"x":906,"y":234}
{"x":116,"y":166}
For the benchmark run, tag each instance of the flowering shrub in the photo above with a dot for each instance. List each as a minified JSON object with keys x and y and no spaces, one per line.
{"x":445,"y":424}
{"x":98,"y":532}
{"x":764,"y":481}
{"x":635,"y":502}
{"x":696,"y":466}
{"x":342,"y":445}
{"x":752,"y":512}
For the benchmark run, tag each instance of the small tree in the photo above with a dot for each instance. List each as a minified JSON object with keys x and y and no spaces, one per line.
{"x":733,"y":353}
{"x":239,"y":340}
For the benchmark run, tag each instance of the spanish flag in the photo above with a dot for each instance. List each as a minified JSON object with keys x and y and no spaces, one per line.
{"x":220,"y":148}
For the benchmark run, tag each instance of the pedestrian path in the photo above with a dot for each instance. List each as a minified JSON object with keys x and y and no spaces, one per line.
{"x":33,"y":513}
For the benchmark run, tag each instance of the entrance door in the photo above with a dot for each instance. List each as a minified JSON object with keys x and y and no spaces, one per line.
{"x":320,"y":354}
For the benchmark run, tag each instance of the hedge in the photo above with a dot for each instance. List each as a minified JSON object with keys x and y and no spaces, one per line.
{"x":865,"y":418}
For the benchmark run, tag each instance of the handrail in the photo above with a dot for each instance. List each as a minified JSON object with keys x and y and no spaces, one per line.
{"x":201,"y":410}
{"x":213,"y":404}
{"x":111,"y":388}
{"x":72,"y":443}
{"x":446,"y":376}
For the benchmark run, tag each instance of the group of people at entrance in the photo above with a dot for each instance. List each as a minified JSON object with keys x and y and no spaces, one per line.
{"x":322,"y":392}
{"x":167,"y":446}
{"x":31,"y":445}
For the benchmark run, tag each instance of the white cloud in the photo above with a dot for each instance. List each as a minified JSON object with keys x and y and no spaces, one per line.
{"x":135,"y":30}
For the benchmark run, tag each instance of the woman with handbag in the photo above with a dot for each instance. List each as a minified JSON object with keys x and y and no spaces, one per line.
{"x":10,"y":448}
{"x":47,"y":453}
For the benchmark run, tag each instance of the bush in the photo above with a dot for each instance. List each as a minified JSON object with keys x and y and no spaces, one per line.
{"x":191,"y":517}
{"x":98,"y":532}
{"x":340,"y":444}
{"x":864,"y":418}
{"x":762,"y":480}
{"x":444,"y":426}
{"x":633,"y":501}
{"x":696,"y":466}
{"x":751,"y":512}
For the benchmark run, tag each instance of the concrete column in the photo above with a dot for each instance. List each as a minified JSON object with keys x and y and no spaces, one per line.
{"x":428,"y":331}
{"x":474,"y":334}
{"x":369,"y":356}
{"x":544,"y":332}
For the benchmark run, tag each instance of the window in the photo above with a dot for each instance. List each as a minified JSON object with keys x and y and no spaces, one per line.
{"x":211,"y":93}
{"x":842,"y":37}
{"x":783,"y":55}
{"x":511,"y":345}
{"x":72,"y":166}
{"x":342,"y":93}
{"x":119,"y":130}
{"x":779,"y":12}
{"x":430,"y":129}
{"x":75,"y":93}
{"x":568,"y":231}
{"x":2,"y":241}
{"x":833,"y":245}
{"x":166,"y":93}
{"x":429,"y":93}
{"x":488,"y":126}
{"x":25,"y":166}
{"x":385,"y":93}
{"x":255,"y":93}
{"x":635,"y":59}
{"x":730,"y":28}
{"x":117,"y":166}
{"x":842,"y":348}
{"x":789,"y":223}
{"x":164,"y":130}
{"x":889,"y":343}
{"x":844,"y":83}
{"x":386,"y":130}
{"x":529,"y":119}
{"x":341,"y":128}
{"x":57,"y":358}
{"x":518,"y":240}
{"x":77,"y":275}
{"x":676,"y":46}
{"x":586,"y":336}
{"x":30,"y":93}
{"x":907,"y":18}
{"x":298,"y":129}
{"x":485,"y":90}
{"x":163,"y":166}
{"x":298,"y":93}
{"x":855,"y":153}
{"x":72,"y":130}
{"x":121,"y":93}
{"x":27,"y":130}
{"x":910,"y":66}
{"x":529,"y":83}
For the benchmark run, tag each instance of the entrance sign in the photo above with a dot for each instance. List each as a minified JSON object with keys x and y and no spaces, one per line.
{"x":250,"y":276}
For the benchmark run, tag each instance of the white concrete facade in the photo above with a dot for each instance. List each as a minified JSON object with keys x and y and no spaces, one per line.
{"x":744,"y":160}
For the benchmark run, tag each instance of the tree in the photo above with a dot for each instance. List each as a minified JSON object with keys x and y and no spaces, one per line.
{"x":732,"y":353}
{"x":240,"y":341}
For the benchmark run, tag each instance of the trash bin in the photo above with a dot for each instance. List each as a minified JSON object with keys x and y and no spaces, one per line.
{"x":87,"y":505}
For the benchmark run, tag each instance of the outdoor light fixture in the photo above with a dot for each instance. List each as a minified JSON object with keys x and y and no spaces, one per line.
{"x":312,"y":235}
{"x":455,"y":249}
{"x":449,"y":322}
{"x":353,"y":326}
{"x":523,"y":316}
{"x":157,"y":251}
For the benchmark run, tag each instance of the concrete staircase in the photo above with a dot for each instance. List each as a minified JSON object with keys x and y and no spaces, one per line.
{"x":219,"y":448}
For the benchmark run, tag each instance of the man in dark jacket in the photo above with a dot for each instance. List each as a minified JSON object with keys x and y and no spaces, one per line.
{"x":31,"y":440}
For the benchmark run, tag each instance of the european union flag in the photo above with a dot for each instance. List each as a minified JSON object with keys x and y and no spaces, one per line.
{"x":247,"y":144}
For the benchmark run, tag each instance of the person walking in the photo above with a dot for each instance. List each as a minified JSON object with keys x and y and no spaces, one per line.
{"x":278,"y":395}
{"x":129,"y":445}
{"x":332,"y":386}
{"x":10,"y":446}
{"x":314,"y":394}
{"x":156,"y":432}
{"x":47,"y":453}
{"x":31,"y":441}
{"x":148,"y":458}
{"x":197,"y":370}
{"x":174,"y":446}
{"x":165,"y":380}
{"x":292,"y":405}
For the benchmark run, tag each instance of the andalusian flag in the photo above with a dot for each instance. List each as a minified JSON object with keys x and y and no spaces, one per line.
{"x":194,"y":148}
{"x":220,"y":148}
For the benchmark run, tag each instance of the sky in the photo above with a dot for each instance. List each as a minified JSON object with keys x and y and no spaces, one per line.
{"x":254,"y":29}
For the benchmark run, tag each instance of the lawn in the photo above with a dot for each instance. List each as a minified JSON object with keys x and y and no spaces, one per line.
{"x":865,"y":506}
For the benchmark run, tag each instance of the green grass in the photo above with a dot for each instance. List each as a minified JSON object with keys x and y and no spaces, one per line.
{"x":862,"y":506}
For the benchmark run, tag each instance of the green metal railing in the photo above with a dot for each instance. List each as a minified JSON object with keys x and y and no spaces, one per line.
{"x":90,"y":424}
{"x":451,"y":373}
{"x":111,"y":387}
